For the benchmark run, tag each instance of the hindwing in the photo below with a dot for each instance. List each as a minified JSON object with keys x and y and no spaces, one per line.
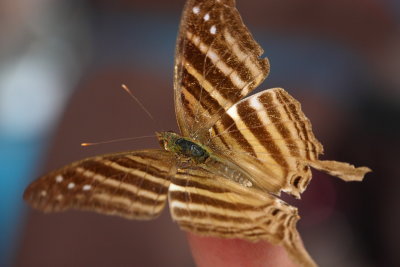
{"x":268,"y":135}
{"x":206,"y":204}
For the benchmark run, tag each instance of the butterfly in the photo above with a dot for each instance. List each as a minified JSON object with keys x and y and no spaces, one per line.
{"x":223,"y":173}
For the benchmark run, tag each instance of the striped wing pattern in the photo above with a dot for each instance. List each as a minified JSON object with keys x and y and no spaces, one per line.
{"x":265,"y":138}
{"x":268,"y":130}
{"x":217,"y":63}
{"x":269,"y":136}
{"x":206,"y":204}
{"x":132,"y":185}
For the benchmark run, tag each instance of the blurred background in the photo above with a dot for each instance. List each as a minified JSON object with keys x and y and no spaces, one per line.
{"x":61,"y":66}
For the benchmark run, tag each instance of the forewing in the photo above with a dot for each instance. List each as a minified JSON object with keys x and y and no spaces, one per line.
{"x":205,"y":204}
{"x":132,"y":185}
{"x":269,"y":136}
{"x":216,"y":63}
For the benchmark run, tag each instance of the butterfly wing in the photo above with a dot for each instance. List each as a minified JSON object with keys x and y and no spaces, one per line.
{"x":216,"y":64}
{"x":269,"y":136}
{"x":132,"y":185}
{"x":205,"y":204}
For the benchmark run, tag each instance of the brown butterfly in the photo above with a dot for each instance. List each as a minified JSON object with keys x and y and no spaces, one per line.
{"x":234,"y":155}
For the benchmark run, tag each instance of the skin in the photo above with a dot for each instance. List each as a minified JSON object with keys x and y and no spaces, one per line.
{"x":217,"y":252}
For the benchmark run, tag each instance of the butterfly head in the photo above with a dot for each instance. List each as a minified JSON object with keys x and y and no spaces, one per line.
{"x":167,"y":140}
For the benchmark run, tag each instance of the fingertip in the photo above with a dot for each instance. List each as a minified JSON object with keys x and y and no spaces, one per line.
{"x":219,"y":252}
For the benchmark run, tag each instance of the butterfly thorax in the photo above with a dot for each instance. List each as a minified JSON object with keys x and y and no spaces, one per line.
{"x":188,"y":150}
{"x":183,"y":147}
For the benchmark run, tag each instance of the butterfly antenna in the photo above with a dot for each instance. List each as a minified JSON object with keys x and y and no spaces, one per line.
{"x":117,"y":140}
{"x":137,"y":100}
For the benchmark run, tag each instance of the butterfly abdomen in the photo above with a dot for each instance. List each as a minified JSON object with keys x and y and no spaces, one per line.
{"x":228,"y":170}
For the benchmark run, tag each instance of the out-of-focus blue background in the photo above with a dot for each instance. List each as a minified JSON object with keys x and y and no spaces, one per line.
{"x":61,"y":65}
